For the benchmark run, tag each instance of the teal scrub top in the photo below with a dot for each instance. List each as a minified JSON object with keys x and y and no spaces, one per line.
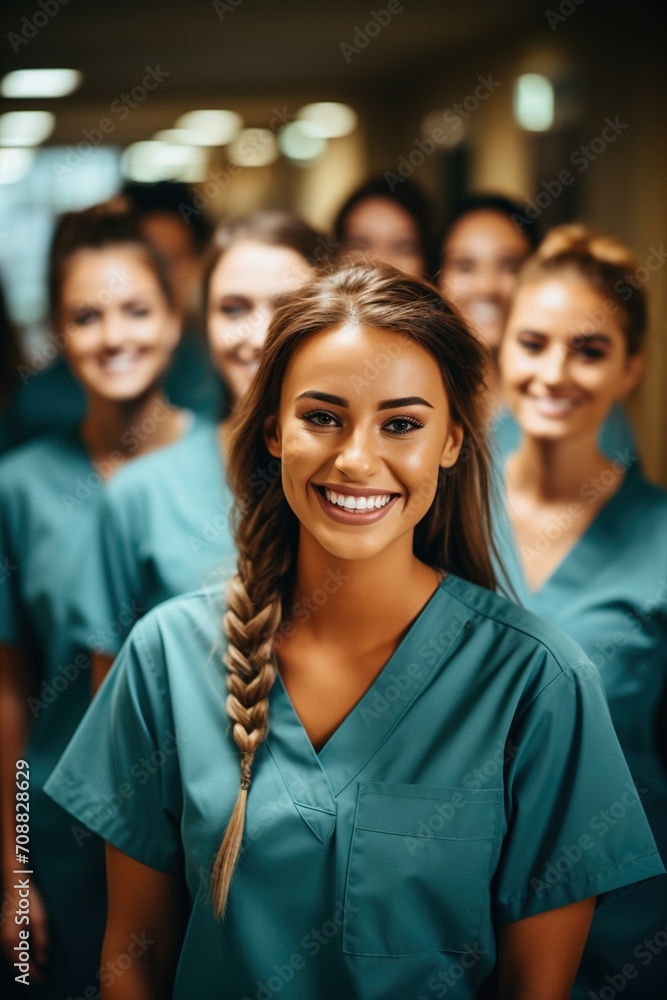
{"x":610,"y":595}
{"x":49,"y":503}
{"x":470,"y":786}
{"x":165,"y":530}
{"x":617,"y":438}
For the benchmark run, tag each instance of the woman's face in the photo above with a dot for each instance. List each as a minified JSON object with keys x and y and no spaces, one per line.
{"x":481,"y":257}
{"x":360,"y":459}
{"x":564,"y":360}
{"x":381,"y":230}
{"x":244,"y":288}
{"x":119,"y":329}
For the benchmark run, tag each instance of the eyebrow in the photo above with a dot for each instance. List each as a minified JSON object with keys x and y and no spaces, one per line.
{"x":580,"y":338}
{"x":386,"y":404}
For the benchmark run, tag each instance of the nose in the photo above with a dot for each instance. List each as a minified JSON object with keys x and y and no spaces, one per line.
{"x":553,"y":365}
{"x":250,"y":337}
{"x":485,"y":282}
{"x":357,"y":458}
{"x":113,"y":330}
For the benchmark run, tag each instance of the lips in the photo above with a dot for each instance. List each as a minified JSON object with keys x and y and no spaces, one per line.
{"x":358,"y":507}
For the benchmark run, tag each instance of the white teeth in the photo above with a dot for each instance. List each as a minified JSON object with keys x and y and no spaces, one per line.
{"x":356,"y":503}
{"x":485,"y":312}
{"x":550,"y":406}
{"x":119,"y":362}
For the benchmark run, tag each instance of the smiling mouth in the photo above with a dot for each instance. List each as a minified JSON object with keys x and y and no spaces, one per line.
{"x":550,"y":406}
{"x":118,"y":364}
{"x":354,"y":504}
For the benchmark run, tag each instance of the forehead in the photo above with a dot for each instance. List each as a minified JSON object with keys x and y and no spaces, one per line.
{"x":364,"y":364}
{"x":120,"y":269}
{"x":249,"y":265}
{"x":484,"y":231}
{"x":380,"y":214}
{"x":565,"y":303}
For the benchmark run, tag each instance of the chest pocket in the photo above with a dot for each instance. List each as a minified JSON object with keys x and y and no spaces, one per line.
{"x":419,"y":869}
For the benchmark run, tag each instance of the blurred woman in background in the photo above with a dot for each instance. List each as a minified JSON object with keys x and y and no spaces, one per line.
{"x":386,"y":222}
{"x":165,"y":523}
{"x":112,"y":305}
{"x":482,"y":251}
{"x":586,"y":543}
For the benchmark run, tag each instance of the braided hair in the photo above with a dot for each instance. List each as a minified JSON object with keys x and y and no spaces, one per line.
{"x":454,"y":534}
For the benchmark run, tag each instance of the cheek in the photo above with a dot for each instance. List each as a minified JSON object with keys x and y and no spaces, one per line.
{"x":514,"y":364}
{"x":223,"y":335}
{"x":506,"y":283}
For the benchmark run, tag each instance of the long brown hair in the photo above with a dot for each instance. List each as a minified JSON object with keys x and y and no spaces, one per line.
{"x":454,"y":534}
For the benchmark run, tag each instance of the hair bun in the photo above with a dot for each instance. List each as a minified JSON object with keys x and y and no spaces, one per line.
{"x":578,"y":239}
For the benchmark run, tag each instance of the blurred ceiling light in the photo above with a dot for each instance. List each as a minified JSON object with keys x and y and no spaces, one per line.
{"x":534,"y":102}
{"x":40,"y":82}
{"x":327,"y":119}
{"x":299,"y":144}
{"x":15,"y":164}
{"x":254,"y":147}
{"x":25,"y":128}
{"x":181,"y":136}
{"x":211,"y":128}
{"x":163,"y":161}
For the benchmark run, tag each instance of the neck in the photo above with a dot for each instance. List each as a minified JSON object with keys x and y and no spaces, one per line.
{"x":358,"y":599}
{"x":128,"y":428}
{"x":555,"y":471}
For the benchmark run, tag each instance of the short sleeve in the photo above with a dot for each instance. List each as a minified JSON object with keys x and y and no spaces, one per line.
{"x":575,"y":823}
{"x":119,"y":776}
{"x":120,"y":575}
{"x":13,"y":626}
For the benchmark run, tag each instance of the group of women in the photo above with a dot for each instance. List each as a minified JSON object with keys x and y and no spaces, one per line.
{"x":394,"y":726}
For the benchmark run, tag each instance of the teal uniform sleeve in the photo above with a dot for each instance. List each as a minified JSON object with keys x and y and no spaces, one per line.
{"x":575,"y":824}
{"x":119,"y":776}
{"x":13,"y":627}
{"x":120,"y":576}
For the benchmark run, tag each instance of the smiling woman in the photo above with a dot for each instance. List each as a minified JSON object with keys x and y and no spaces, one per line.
{"x":412,"y":716}
{"x":113,"y":309}
{"x":586,"y":535}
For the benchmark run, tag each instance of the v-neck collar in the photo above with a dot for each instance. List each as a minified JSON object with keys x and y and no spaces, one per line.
{"x":314,"y":780}
{"x":591,"y":549}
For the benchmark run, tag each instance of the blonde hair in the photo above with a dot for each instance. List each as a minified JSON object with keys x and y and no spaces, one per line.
{"x":604,"y":263}
{"x":454,"y":534}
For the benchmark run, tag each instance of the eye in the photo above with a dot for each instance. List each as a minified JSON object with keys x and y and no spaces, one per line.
{"x":138,"y":312}
{"x":531,"y":345}
{"x":234,"y":306}
{"x":320,"y":418}
{"x":510,"y":266}
{"x":402,"y":425}
{"x":592,"y":353}
{"x":84,"y":317}
{"x":462,"y":266}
